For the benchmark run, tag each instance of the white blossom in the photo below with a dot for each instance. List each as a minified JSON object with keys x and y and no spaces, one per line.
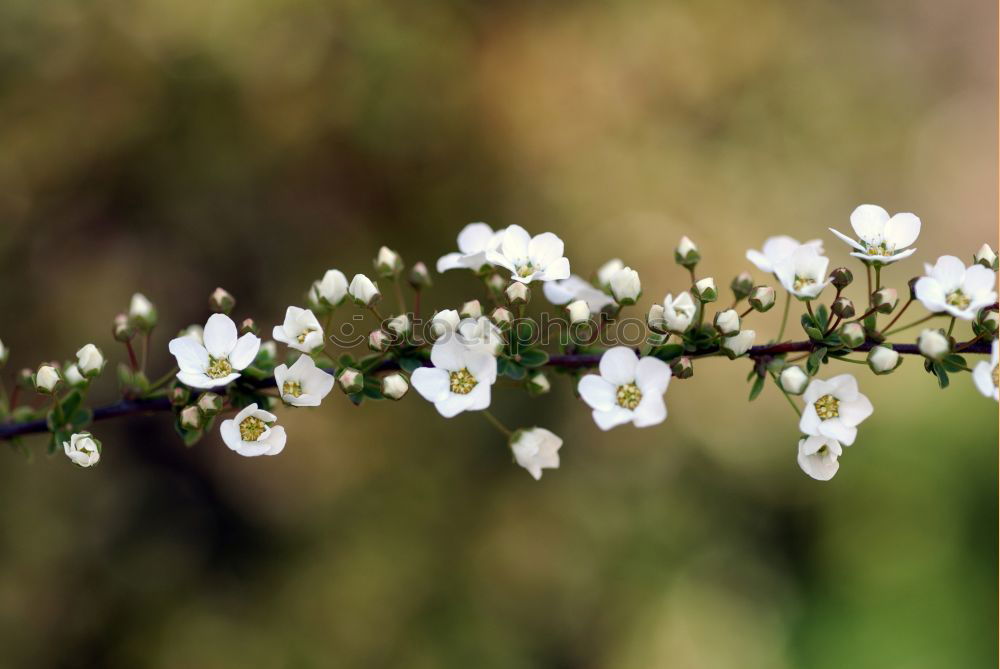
{"x":881,"y":239}
{"x":818,"y":457}
{"x":253,"y":432}
{"x":625,"y":285}
{"x":705,"y":289}
{"x":803,"y":274}
{"x":538,"y":258}
{"x":83,"y":449}
{"x":933,"y":344}
{"x":219,"y":360}
{"x":331,"y":289}
{"x":474,"y":241}
{"x":576,"y":288}
{"x":778,"y":249}
{"x":535,"y":449}
{"x":301,"y":330}
{"x":986,"y":256}
{"x":363,"y":291}
{"x":685,"y":246}
{"x":90,"y":360}
{"x":834,"y":408}
{"x":388,"y":263}
{"x":951,"y":287}
{"x":303,"y":384}
{"x":4,"y":354}
{"x":460,"y":380}
{"x":47,"y":378}
{"x":678,"y":312}
{"x":628,"y":389}
{"x":608,"y":270}
{"x":984,"y":374}
{"x":471,"y":309}
{"x":793,"y":380}
{"x":739,"y":343}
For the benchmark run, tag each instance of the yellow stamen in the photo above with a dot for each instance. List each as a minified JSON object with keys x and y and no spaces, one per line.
{"x":218,"y":368}
{"x":293,"y":388}
{"x":628,"y":396}
{"x":251,"y":428}
{"x":827,"y":407}
{"x":462,"y":382}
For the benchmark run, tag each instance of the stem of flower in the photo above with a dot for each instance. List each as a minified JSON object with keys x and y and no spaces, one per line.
{"x":868,"y":271}
{"x":495,"y":422}
{"x":913,"y":324}
{"x":951,"y":326}
{"x":745,"y":313}
{"x":788,"y":397}
{"x":400,"y":300}
{"x":898,"y":314}
{"x":145,"y":349}
{"x":784,"y":315}
{"x":809,"y":308}
{"x":416,"y":304}
{"x":163,"y":379}
{"x":133,"y":363}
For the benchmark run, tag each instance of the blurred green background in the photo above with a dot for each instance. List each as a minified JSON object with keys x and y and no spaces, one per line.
{"x":170,"y":147}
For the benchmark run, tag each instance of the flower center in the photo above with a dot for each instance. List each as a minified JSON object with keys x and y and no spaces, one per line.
{"x":823,"y":450}
{"x":628,"y":396}
{"x":462,"y":382}
{"x":802,"y":281}
{"x":525,"y":270}
{"x":251,"y":428}
{"x":958,"y":299}
{"x":218,"y":367}
{"x":996,"y":375}
{"x":827,"y":407}
{"x":293,"y":388}
{"x":880,"y":249}
{"x":305,"y":333}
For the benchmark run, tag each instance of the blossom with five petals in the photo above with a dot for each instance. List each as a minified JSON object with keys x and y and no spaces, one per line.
{"x":538,"y":258}
{"x":881,"y":239}
{"x":218,"y":359}
{"x":628,"y":389}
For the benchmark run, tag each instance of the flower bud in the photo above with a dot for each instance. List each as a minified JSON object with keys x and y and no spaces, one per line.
{"x":793,"y":380}
{"x":727,"y":322}
{"x":330,"y":291}
{"x":190,"y":418}
{"x":73,"y":376}
{"x":26,"y":378}
{"x":351,"y":380}
{"x":882,"y":359}
{"x":933,"y":344}
{"x":608,"y":270}
{"x":249,"y":326}
{"x":502,"y":317}
{"x":989,"y":321}
{"x":912,"y":285}
{"x":196,"y":331}
{"x":444,"y":322}
{"x":210,"y":404}
{"x":705,"y":291}
{"x":4,"y":354}
{"x":178,"y":395}
{"x":762,"y":298}
{"x":378,"y":341}
{"x":738,"y":344}
{"x":578,"y":312}
{"x":538,"y":384}
{"x":496,"y":284}
{"x":841,"y":277}
{"x":400,"y":325}
{"x":420,"y":277}
{"x":986,"y":257}
{"x":625,"y":286}
{"x":471,"y":309}
{"x":742,"y":285}
{"x":885,"y":300}
{"x":852,"y":334}
{"x":388,"y":263}
{"x":682,"y":368}
{"x":656,"y":319}
{"x":221,"y":301}
{"x":83,"y":449}
{"x":141,"y":313}
{"x":363,"y":291}
{"x":518,"y":293}
{"x":267,"y":353}
{"x":394,"y":386}
{"x":843,"y":307}
{"x":46,"y":379}
{"x":90,"y":360}
{"x":686,"y":254}
{"x":121,"y":330}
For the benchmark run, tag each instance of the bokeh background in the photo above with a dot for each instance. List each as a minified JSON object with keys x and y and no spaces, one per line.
{"x":171,"y":147}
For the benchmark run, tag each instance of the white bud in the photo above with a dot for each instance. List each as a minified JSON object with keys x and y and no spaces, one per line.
{"x":444,"y":322}
{"x":882,"y":359}
{"x":518,"y":293}
{"x":539,"y":384}
{"x":502,"y":317}
{"x":625,"y":285}
{"x":986,"y":256}
{"x":852,"y":334}
{"x":73,"y":376}
{"x":190,"y":418}
{"x":268,"y":351}
{"x":90,"y":360}
{"x":656,"y":319}
{"x":364,"y":291}
{"x":472,"y":309}
{"x":351,"y":380}
{"x":685,"y":246}
{"x":705,"y":290}
{"x":400,"y":325}
{"x":331,"y":289}
{"x":378,"y":341}
{"x":82,"y":449}
{"x":727,"y":322}
{"x":933,"y":344}
{"x":141,"y":312}
{"x":793,"y":380}
{"x":394,"y":386}
{"x":388,"y":263}
{"x":608,"y":270}
{"x":4,"y":354}
{"x":578,"y":312}
{"x":46,"y":379}
{"x":738,"y":344}
{"x":536,"y":449}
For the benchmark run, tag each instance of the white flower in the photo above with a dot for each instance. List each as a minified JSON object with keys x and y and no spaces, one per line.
{"x":252,"y":432}
{"x":46,"y":379}
{"x":73,"y":376}
{"x":301,"y":330}
{"x":882,"y":239}
{"x":538,"y":258}
{"x":882,"y":359}
{"x":576,"y":288}
{"x":608,"y":270}
{"x":625,"y":285}
{"x":984,"y":374}
{"x":951,"y":287}
{"x":142,"y":311}
{"x":90,"y":360}
{"x":627,"y":389}
{"x":535,"y":449}
{"x":444,"y":322}
{"x":460,"y":379}
{"x":818,"y":457}
{"x":778,"y":249}
{"x":474,"y":241}
{"x":933,"y":344}
{"x":303,"y":384}
{"x":480,"y":335}
{"x":394,"y":386}
{"x":219,"y":360}
{"x":793,"y":380}
{"x":739,"y":343}
{"x":578,"y":312}
{"x":727,"y":322}
{"x":678,"y":312}
{"x":331,"y":289}
{"x":834,"y":409}
{"x":803,"y":274}
{"x":364,"y":291}
{"x":82,"y":449}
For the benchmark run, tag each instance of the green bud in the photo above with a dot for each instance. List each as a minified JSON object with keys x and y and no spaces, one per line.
{"x":762,"y":298}
{"x":351,"y":381}
{"x":742,"y":285}
{"x":420,"y":277}
{"x":852,"y":334}
{"x":210,"y":404}
{"x":682,"y":367}
{"x":841,"y":277}
{"x":843,"y":307}
{"x":686,"y":254}
{"x":220,"y":301}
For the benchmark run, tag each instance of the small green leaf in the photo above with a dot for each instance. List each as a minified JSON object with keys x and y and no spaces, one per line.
{"x":668,"y":351}
{"x":822,"y":317}
{"x":533,"y":357}
{"x":758,"y":385}
{"x":942,"y":374}
{"x":815,"y":360}
{"x":511,"y":369}
{"x":954,"y":363}
{"x":409,"y":364}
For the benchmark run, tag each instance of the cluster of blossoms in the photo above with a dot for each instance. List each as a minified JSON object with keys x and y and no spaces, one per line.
{"x":224,"y":369}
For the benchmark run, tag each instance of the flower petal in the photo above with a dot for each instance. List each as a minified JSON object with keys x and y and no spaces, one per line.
{"x":651,"y":410}
{"x":544,"y":249}
{"x":868,"y":221}
{"x":230,"y":434}
{"x":479,"y":398}
{"x":652,"y":376}
{"x":978,"y":279}
{"x":949,"y":272}
{"x":432,"y":383}
{"x":448,"y":353}
{"x":449,"y":261}
{"x":556,"y":270}
{"x":760,"y":261}
{"x":848,"y":240}
{"x":515,"y":243}
{"x":191,"y":355}
{"x":618,"y":365}
{"x":837,"y":429}
{"x":220,"y":335}
{"x":931,"y":294}
{"x":245,"y":351}
{"x":902,"y":230}
{"x":596,"y":392}
{"x":474,"y":238}
{"x":853,"y":412}
{"x":453,"y":404}
{"x":611,"y":417}
{"x":275,"y":441}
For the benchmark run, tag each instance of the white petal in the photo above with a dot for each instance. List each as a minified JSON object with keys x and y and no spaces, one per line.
{"x":651,"y":410}
{"x":779,"y":247}
{"x":453,"y":404}
{"x":618,"y":365}
{"x":978,"y":279}
{"x":855,"y":411}
{"x":448,"y":353}
{"x":201,"y":380}
{"x":230,"y":434}
{"x":652,"y":376}
{"x":760,"y":260}
{"x":515,"y":243}
{"x":474,"y":238}
{"x":191,"y":355}
{"x":220,"y":335}
{"x":482,"y":366}
{"x":848,"y":240}
{"x":544,"y":249}
{"x":931,"y":294}
{"x":596,"y":392}
{"x":479,"y":398}
{"x":245,"y":351}
{"x":611,"y":418}
{"x":275,"y":441}
{"x":809,"y":422}
{"x":433,"y":384}
{"x":982,"y":376}
{"x":949,"y":272}
{"x":868,"y":221}
{"x":843,"y":386}
{"x":902,"y":230}
{"x":836,"y":429}
{"x":556,"y":270}
{"x":449,"y":261}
